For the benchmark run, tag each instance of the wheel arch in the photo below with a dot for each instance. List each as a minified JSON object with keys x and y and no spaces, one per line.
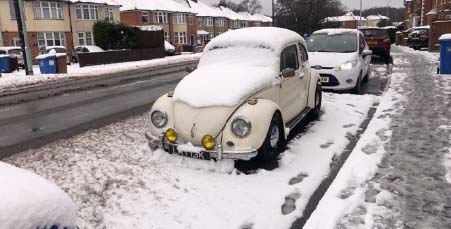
{"x":314,"y":79}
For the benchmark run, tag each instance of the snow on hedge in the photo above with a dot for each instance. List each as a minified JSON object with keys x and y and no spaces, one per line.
{"x":12,"y":81}
{"x":234,"y":65}
{"x":30,"y":201}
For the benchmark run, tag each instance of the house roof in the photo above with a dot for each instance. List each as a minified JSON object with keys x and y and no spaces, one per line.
{"x":153,"y":5}
{"x":347,"y":17}
{"x":377,"y":17}
{"x":105,"y":2}
{"x":202,"y":9}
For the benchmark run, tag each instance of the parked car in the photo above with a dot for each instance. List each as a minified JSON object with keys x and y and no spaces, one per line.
{"x":59,"y":49}
{"x":169,"y":49}
{"x":378,"y":41}
{"x":251,"y":86}
{"x":15,"y":51}
{"x":84,"y":49}
{"x":342,"y":58}
{"x":418,"y":38}
{"x":30,"y":201}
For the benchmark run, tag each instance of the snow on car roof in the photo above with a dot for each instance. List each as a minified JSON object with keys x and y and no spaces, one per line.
{"x":92,"y":48}
{"x":7,"y":48}
{"x":235,"y":65}
{"x":30,"y":201}
{"x":255,"y":37}
{"x":336,"y":31}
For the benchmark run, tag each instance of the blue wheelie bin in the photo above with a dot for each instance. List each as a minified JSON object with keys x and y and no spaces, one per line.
{"x":47,"y":64}
{"x":5,"y":64}
{"x":445,"y":54}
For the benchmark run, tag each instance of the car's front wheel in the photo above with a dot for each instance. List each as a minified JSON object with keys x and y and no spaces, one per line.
{"x":315,"y":113}
{"x":274,"y":142}
{"x":356,"y":90}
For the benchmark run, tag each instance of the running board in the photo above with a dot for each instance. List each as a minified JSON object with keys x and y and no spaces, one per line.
{"x":296,"y":120}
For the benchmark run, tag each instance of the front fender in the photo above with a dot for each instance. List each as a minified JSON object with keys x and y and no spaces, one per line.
{"x":260,"y":116}
{"x":314,"y":78}
{"x":164,"y":104}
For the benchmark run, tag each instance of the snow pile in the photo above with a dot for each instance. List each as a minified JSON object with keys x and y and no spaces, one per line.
{"x":11,"y":81}
{"x":30,"y":201}
{"x":137,"y":188}
{"x":445,"y":37}
{"x":225,"y":76}
{"x":255,"y":37}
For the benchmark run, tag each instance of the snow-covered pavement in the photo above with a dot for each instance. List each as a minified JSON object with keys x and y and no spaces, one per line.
{"x":399,"y":174}
{"x":118,"y":182}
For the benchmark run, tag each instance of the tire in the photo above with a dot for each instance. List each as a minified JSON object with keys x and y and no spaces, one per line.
{"x":271,"y":147}
{"x":367,"y":76}
{"x":74,"y":60}
{"x":356,"y":90}
{"x":316,"y":111}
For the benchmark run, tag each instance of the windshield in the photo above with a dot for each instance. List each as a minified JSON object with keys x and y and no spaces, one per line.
{"x":339,"y":43}
{"x":15,"y":51}
{"x":421,"y":31}
{"x":374,"y":32}
{"x":57,"y":50}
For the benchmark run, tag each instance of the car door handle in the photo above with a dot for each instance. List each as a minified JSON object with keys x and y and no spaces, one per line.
{"x":301,"y":76}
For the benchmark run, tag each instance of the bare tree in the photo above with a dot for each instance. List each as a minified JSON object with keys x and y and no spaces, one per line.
{"x":251,"y":6}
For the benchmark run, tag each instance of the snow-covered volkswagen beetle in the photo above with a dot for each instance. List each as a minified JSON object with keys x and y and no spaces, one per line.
{"x":251,"y":86}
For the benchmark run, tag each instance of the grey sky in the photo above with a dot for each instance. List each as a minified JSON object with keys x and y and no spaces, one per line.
{"x":350,"y":4}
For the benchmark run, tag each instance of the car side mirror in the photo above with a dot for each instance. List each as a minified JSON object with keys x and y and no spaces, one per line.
{"x":367,"y":53}
{"x":190,"y":69}
{"x":288,"y":72}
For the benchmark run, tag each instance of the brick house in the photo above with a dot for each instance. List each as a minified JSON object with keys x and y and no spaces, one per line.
{"x":348,"y":21}
{"x":438,"y":10}
{"x":178,"y":22}
{"x":53,"y":23}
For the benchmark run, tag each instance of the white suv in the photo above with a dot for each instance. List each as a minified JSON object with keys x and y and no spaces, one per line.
{"x":341,"y":57}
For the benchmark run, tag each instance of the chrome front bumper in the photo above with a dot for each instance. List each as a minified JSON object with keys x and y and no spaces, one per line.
{"x":218,"y":153}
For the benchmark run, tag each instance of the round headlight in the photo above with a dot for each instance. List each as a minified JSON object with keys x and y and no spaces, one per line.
{"x":241,"y":127}
{"x":159,"y":119}
{"x":171,"y":135}
{"x":208,"y":142}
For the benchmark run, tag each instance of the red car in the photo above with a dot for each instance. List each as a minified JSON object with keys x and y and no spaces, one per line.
{"x":378,"y":41}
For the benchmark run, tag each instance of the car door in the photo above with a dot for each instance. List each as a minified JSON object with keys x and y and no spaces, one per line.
{"x":291,"y":101}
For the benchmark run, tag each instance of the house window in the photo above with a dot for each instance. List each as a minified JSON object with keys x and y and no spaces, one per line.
{"x":12,"y":10}
{"x":199,"y":21}
{"x":16,"y":42}
{"x":50,"y":39}
{"x":243,"y":24}
{"x":86,"y":12}
{"x":109,"y":14}
{"x":166,"y":36}
{"x":160,"y":18}
{"x":179,"y":18}
{"x":145,"y":17}
{"x":180,"y":37}
{"x":47,"y":10}
{"x":220,"y":22}
{"x":236,"y":24}
{"x":85,"y":38}
{"x":257,"y":24}
{"x":209,"y":21}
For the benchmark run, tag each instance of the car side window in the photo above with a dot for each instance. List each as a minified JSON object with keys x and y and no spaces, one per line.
{"x":2,"y":52}
{"x":304,"y":53}
{"x":289,"y":58}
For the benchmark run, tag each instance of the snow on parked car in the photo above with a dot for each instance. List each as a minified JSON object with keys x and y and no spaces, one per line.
{"x":84,"y":49}
{"x":342,"y":58}
{"x":14,"y":51}
{"x":30,"y":201}
{"x":251,"y":86}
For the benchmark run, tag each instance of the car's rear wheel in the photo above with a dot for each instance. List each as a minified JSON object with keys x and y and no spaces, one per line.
{"x":316,"y":111}
{"x":74,"y":60}
{"x":274,"y":141}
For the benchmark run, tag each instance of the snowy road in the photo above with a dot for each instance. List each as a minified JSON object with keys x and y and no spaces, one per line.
{"x":118,"y":183}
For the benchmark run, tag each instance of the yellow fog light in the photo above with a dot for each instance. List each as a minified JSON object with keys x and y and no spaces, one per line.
{"x":171,"y":135}
{"x":208,"y":142}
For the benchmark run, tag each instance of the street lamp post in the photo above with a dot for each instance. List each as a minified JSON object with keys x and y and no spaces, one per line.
{"x":360,"y":17}
{"x":273,"y":18}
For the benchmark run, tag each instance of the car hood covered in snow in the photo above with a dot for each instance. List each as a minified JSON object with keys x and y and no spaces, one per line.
{"x":30,"y":201}
{"x":328,"y":59}
{"x":226,"y":76}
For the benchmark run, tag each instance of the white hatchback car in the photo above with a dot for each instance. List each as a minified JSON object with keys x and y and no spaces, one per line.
{"x":342,"y":58}
{"x":251,"y":87}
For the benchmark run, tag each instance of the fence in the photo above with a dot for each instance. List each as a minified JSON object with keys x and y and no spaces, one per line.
{"x":438,"y":28}
{"x":111,"y":57}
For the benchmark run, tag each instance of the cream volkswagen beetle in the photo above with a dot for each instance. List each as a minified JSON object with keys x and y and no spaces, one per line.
{"x":250,"y":88}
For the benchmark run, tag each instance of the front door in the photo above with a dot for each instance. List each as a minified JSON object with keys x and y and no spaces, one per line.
{"x":291,"y":99}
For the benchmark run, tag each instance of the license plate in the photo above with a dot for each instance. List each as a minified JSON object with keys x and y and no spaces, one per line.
{"x":324,"y":79}
{"x":372,"y":42}
{"x":200,"y":155}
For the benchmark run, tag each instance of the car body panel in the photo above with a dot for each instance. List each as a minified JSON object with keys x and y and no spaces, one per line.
{"x":378,"y":40}
{"x":418,"y":37}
